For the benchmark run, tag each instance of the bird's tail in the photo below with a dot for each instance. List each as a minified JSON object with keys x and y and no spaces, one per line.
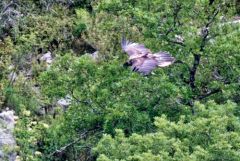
{"x":164,"y":59}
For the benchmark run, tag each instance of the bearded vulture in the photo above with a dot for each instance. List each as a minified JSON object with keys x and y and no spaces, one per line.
{"x":142,"y":60}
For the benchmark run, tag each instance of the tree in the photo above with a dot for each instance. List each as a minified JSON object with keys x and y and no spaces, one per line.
{"x":105,"y":96}
{"x":212,"y":134}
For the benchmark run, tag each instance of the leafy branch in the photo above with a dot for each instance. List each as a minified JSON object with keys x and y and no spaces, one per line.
{"x":214,"y":91}
{"x":82,"y":136}
{"x":197,"y":57}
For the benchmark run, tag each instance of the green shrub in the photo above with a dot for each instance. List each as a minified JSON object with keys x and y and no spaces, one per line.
{"x":212,"y":134}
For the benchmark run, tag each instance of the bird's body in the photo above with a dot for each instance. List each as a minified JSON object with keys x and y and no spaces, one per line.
{"x":142,"y":60}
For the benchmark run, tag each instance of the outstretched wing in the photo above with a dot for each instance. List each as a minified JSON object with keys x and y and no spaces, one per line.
{"x":144,"y":65}
{"x":163,"y":59}
{"x":134,"y":50}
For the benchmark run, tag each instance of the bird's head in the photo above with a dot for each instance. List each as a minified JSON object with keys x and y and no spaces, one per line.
{"x":128,"y":63}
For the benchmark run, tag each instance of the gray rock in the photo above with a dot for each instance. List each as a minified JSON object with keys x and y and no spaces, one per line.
{"x":7,"y":119}
{"x":47,"y":57}
{"x":64,"y":102}
{"x":12,"y":76}
{"x":95,"y":55}
{"x":179,"y":39}
{"x":7,"y":140}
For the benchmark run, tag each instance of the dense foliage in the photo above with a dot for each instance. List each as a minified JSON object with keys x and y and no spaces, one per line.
{"x":212,"y":134}
{"x":188,"y":111}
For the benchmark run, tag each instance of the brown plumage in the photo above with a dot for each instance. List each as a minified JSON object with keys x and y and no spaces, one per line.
{"x":142,"y":60}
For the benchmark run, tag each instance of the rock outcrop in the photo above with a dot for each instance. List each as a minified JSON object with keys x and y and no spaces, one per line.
{"x":7,"y":140}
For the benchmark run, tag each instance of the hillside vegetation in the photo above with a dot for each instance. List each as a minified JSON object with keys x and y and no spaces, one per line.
{"x":61,"y":71}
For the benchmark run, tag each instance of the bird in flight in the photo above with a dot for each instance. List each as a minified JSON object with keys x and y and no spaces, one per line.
{"x":142,"y":60}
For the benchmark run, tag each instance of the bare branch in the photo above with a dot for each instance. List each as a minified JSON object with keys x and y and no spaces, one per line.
{"x":216,"y":11}
{"x":177,"y":9}
{"x":86,"y":102}
{"x":83,"y":135}
{"x":205,"y":29}
{"x":175,"y":42}
{"x":214,"y":91}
